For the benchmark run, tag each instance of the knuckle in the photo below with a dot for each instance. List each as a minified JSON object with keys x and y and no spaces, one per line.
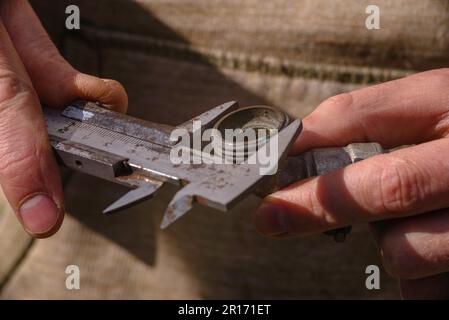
{"x":18,"y":163}
{"x":440,"y":83}
{"x":341,"y":102}
{"x":11,"y":86}
{"x":400,"y":187}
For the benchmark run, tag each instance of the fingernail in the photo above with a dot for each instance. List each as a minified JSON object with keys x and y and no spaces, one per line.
{"x":39,"y":214}
{"x":272,"y":220}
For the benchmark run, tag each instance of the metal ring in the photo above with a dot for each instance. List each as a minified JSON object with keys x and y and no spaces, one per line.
{"x":257,"y":118}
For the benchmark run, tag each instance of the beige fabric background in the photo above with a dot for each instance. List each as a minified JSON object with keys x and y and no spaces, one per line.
{"x":177,"y":58}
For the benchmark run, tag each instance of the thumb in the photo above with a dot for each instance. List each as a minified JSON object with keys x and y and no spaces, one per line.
{"x":28,"y":172}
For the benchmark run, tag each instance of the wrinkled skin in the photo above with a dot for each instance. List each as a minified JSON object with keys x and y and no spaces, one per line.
{"x":32,"y":73}
{"x":403,"y":194}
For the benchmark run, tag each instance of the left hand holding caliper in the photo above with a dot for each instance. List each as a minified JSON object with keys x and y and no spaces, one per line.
{"x":32,"y":70}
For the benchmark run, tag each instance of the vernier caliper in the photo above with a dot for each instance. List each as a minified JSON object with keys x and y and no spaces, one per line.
{"x":136,"y":153}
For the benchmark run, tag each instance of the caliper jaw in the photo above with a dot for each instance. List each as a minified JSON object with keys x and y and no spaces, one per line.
{"x":232,"y":181}
{"x":145,"y":188}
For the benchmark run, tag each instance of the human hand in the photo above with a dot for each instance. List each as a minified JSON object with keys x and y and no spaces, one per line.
{"x":403,"y":194}
{"x":32,"y":70}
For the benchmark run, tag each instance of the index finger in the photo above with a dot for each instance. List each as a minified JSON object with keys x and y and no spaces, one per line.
{"x":406,"y":111}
